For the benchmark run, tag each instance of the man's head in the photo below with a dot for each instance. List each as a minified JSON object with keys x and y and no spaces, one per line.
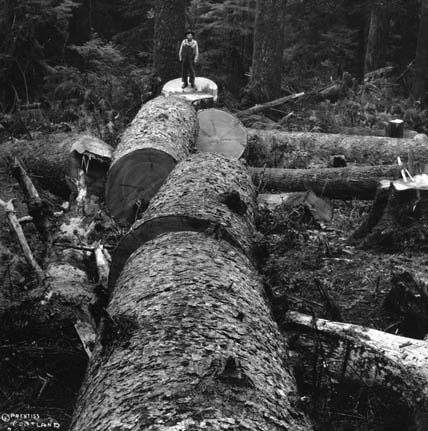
{"x":189,"y":35}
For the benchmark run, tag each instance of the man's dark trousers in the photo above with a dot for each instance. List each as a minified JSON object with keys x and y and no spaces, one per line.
{"x":188,"y":70}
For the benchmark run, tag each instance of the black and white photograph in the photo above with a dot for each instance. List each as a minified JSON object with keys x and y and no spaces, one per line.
{"x":214,"y":215}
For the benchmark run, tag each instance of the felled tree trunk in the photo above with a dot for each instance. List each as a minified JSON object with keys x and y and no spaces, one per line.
{"x":207,"y":192}
{"x":273,"y":147}
{"x":191,"y":345}
{"x":162,"y":134}
{"x":334,"y":183}
{"x":56,"y":159}
{"x":336,"y":352}
{"x":398,"y":219}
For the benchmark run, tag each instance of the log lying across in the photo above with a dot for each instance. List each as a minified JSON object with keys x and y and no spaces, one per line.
{"x":207,"y":192}
{"x":191,"y":345}
{"x":162,"y":134}
{"x":349,"y":352}
{"x":357,"y":182}
{"x":265,"y":146}
{"x":55,"y":160}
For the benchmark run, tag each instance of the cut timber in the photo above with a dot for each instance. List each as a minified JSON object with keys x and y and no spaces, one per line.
{"x":267,"y":147}
{"x":345,"y":352}
{"x":398,"y":219}
{"x":190,"y":344}
{"x":221,"y":132}
{"x":358,"y":182}
{"x":162,"y":134}
{"x":205,"y":95}
{"x":56,"y":160}
{"x":207,"y":192}
{"x":272,"y":104}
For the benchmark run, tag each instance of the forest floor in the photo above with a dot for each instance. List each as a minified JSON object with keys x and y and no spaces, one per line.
{"x":42,"y":362}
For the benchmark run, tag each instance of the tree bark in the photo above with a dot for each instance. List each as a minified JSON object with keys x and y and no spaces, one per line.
{"x":377,"y":37}
{"x":162,"y":134}
{"x":55,"y":161}
{"x":206,"y":193}
{"x":266,"y":71}
{"x":421,"y":61}
{"x":333,"y":183}
{"x":271,"y":148}
{"x":191,"y":344}
{"x":168,"y":34}
{"x":339,"y":352}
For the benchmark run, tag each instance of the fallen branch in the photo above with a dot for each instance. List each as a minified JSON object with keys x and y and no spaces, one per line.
{"x":271,"y":104}
{"x":13,"y":220}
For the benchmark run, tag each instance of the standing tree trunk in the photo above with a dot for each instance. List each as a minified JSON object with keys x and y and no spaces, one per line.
{"x":265,"y":82}
{"x":169,"y":32}
{"x":376,"y":39}
{"x":421,"y":62}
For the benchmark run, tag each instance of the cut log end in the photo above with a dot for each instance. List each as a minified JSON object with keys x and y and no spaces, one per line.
{"x":134,"y":180}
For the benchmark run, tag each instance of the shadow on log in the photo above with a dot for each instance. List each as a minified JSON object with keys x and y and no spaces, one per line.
{"x":207,"y":192}
{"x":162,"y":134}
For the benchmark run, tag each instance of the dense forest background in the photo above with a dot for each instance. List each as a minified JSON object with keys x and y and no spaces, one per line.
{"x":90,"y":62}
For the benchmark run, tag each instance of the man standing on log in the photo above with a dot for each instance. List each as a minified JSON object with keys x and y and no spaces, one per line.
{"x":188,"y":55}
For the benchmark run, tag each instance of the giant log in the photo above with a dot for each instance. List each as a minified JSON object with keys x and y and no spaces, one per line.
{"x":162,"y":134}
{"x":55,"y":161}
{"x":191,"y":345}
{"x":207,"y":192}
{"x":271,"y":148}
{"x":357,"y":182}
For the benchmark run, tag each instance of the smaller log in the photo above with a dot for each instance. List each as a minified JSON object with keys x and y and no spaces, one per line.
{"x":398,"y":219}
{"x":367,"y":356}
{"x":56,"y":160}
{"x":395,"y":129}
{"x":334,"y":183}
{"x":272,"y":104}
{"x":221,"y":133}
{"x":162,"y":134}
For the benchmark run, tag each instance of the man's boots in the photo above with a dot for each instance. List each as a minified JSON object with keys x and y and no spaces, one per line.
{"x":184,"y":85}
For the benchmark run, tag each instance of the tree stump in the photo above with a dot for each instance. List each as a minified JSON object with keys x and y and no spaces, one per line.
{"x":398,"y":219}
{"x":207,"y":192}
{"x":395,"y":129}
{"x":221,"y":132}
{"x":162,"y":134}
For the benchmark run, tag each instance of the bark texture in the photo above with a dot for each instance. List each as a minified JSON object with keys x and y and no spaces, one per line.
{"x":421,"y":60}
{"x":272,"y":147}
{"x":168,"y":34}
{"x":334,"y":183}
{"x":266,"y":70}
{"x":162,"y":134}
{"x":55,"y":160}
{"x":207,"y":192}
{"x":195,"y":346}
